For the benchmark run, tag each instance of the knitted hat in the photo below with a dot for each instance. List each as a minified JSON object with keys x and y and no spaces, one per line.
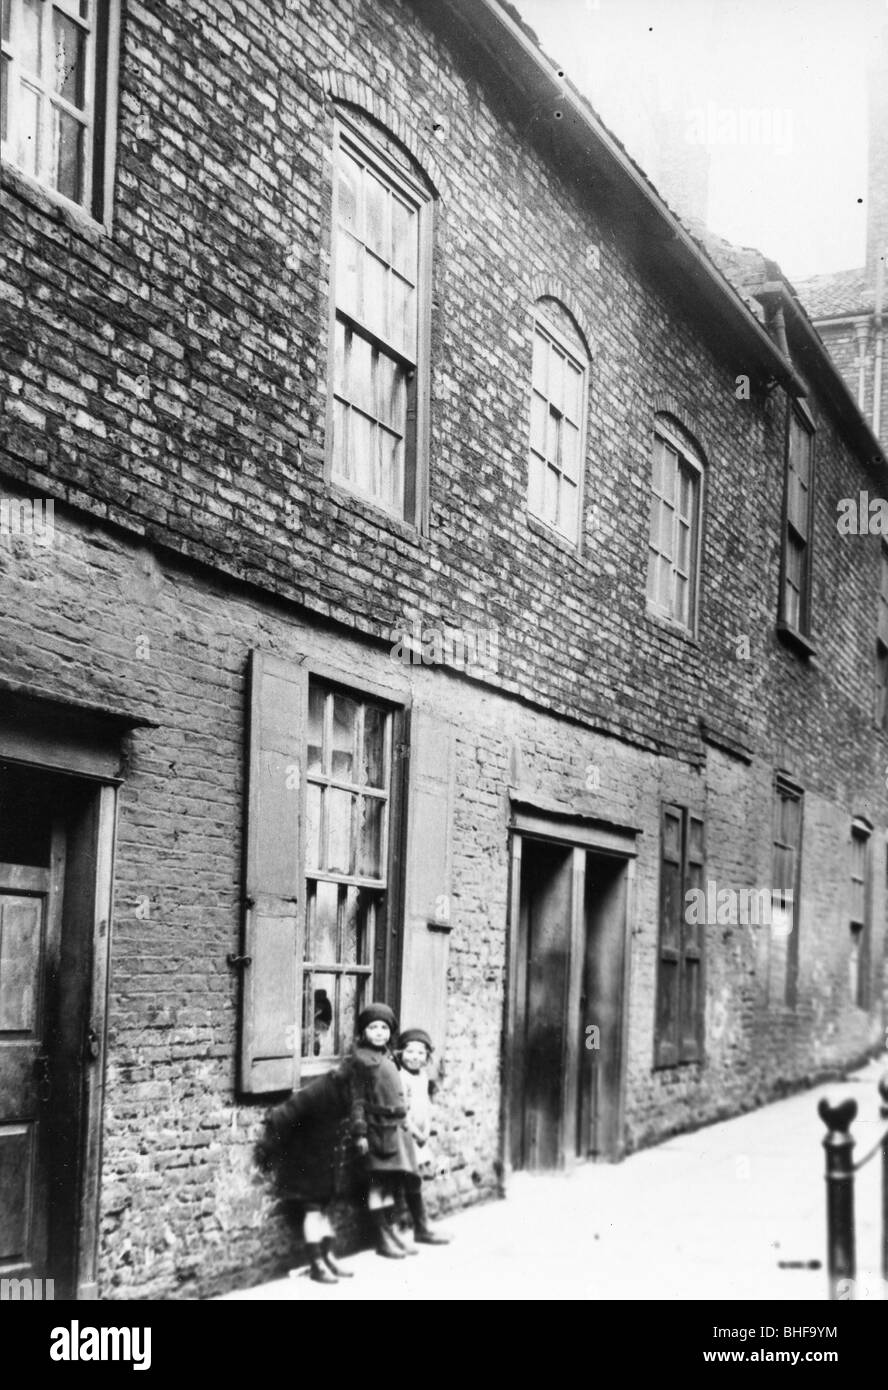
{"x":410,"y":1035}
{"x":376,"y":1013}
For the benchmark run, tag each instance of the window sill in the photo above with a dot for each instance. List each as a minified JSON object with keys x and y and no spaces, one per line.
{"x":795,"y":640}
{"x":546,"y":532}
{"x":52,"y":203}
{"x":375,"y":515}
{"x":670,"y":625}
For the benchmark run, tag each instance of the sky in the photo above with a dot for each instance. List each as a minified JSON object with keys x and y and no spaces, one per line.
{"x":774,"y":89}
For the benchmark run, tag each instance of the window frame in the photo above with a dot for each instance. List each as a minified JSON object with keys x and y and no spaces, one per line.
{"x":786,"y":790}
{"x":677,"y":1050}
{"x":417,"y":436}
{"x":99,"y":110}
{"x":545,"y":327}
{"x":798,"y":634}
{"x":384,"y":974}
{"x":693,"y":460}
{"x":861,"y":927}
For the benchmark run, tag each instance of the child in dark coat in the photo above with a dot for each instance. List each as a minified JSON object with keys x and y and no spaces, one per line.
{"x":304,"y":1143}
{"x":379,"y":1125}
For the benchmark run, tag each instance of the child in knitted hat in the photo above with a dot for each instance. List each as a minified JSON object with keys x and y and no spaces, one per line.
{"x":379,"y":1125}
{"x":414,"y":1054}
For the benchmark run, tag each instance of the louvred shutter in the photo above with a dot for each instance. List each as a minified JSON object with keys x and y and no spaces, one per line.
{"x":670,"y":953}
{"x":269,"y":1034}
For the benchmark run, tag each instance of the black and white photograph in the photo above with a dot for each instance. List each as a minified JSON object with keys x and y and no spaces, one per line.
{"x":443,"y":665}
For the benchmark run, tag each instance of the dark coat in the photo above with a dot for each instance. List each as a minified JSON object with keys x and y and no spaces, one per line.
{"x":379,"y":1112}
{"x":307,"y":1141}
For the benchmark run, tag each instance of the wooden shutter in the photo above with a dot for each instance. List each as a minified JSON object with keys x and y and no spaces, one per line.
{"x":666,"y":1050}
{"x":692,"y":996}
{"x":270,"y":1034}
{"x":428,"y":888}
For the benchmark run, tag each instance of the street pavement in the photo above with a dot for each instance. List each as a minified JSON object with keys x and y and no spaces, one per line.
{"x":734,"y":1211}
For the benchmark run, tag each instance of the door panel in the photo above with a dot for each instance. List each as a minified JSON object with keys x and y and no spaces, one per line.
{"x":28,"y":940}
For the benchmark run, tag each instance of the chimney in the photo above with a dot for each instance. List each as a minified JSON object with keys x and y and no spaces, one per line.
{"x":877,"y":183}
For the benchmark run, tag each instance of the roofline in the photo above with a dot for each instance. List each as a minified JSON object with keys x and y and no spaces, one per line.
{"x":825,"y":371}
{"x":525,"y":65}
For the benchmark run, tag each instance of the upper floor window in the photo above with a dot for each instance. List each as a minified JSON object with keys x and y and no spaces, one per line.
{"x":795,"y":596}
{"x":57,"y":96}
{"x":557,"y":428}
{"x":674,"y":542}
{"x":379,"y":328}
{"x":783,"y":965}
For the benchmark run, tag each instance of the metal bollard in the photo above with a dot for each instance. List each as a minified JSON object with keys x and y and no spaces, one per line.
{"x":839,"y":1145}
{"x":883,"y":1112}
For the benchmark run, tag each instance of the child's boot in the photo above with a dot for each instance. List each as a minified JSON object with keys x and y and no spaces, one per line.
{"x":385,"y":1242}
{"x":403,"y":1241}
{"x":332,"y":1263}
{"x":318,"y":1269}
{"x":423,"y":1233}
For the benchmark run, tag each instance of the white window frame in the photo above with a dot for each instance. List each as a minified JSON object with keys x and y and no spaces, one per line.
{"x":689,"y":459}
{"x":102,"y":25}
{"x":544,"y":326}
{"x":414,"y":512}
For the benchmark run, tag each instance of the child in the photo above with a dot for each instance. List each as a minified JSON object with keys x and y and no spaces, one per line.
{"x":379,"y":1125}
{"x":303,"y":1142}
{"x":415,"y":1051}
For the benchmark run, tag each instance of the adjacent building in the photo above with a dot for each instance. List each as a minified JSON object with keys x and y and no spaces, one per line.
{"x":419,"y":579}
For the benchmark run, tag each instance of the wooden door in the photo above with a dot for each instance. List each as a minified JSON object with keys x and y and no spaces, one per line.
{"x":30,"y":922}
{"x":601,"y":1007}
{"x":546,"y":928}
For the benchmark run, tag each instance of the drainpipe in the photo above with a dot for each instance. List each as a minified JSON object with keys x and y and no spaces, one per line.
{"x":880,"y":333}
{"x":861,"y":330}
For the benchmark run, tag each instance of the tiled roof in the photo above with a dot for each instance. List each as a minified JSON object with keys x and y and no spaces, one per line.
{"x":832,"y":296}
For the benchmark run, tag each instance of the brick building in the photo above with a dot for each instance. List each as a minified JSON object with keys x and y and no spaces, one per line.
{"x":419,"y":575}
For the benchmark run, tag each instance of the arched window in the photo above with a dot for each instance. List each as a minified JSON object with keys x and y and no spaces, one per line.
{"x":557,"y":420}
{"x":676,"y":510}
{"x":379,"y":349}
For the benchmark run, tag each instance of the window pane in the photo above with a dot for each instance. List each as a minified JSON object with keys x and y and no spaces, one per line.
{"x":373,"y":308}
{"x":370,"y":837}
{"x":402,"y":315}
{"x":318,"y":1000}
{"x":347,"y":194}
{"x":29,"y":36}
{"x":373,"y":760}
{"x":356,"y":943}
{"x":391,"y":393}
{"x":570,"y":449}
{"x":360,"y":373}
{"x":556,"y":378}
{"x":361,"y":452}
{"x":535,"y":485}
{"x":322,"y":937}
{"x":29,"y":128}
{"x":540,"y":364}
{"x":667,"y":529}
{"x":390,"y":484}
{"x":316,"y":703}
{"x":655,"y":523}
{"x":405,"y":225}
{"x":538,"y":413}
{"x":376,"y":215}
{"x":664,"y":597}
{"x":340,"y":339}
{"x":684,"y":547}
{"x":4,"y":20}
{"x":348,"y":257}
{"x":352,"y":993}
{"x":569,"y":495}
{"x":345,"y":720}
{"x":313,"y":827}
{"x":681,"y":599}
{"x":70,"y":61}
{"x":550,"y":504}
{"x":69,"y":167}
{"x":341,"y":465}
{"x":338,"y":807}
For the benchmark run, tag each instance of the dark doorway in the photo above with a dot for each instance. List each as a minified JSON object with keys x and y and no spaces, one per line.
{"x":48,"y":838}
{"x":566,"y":1013}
